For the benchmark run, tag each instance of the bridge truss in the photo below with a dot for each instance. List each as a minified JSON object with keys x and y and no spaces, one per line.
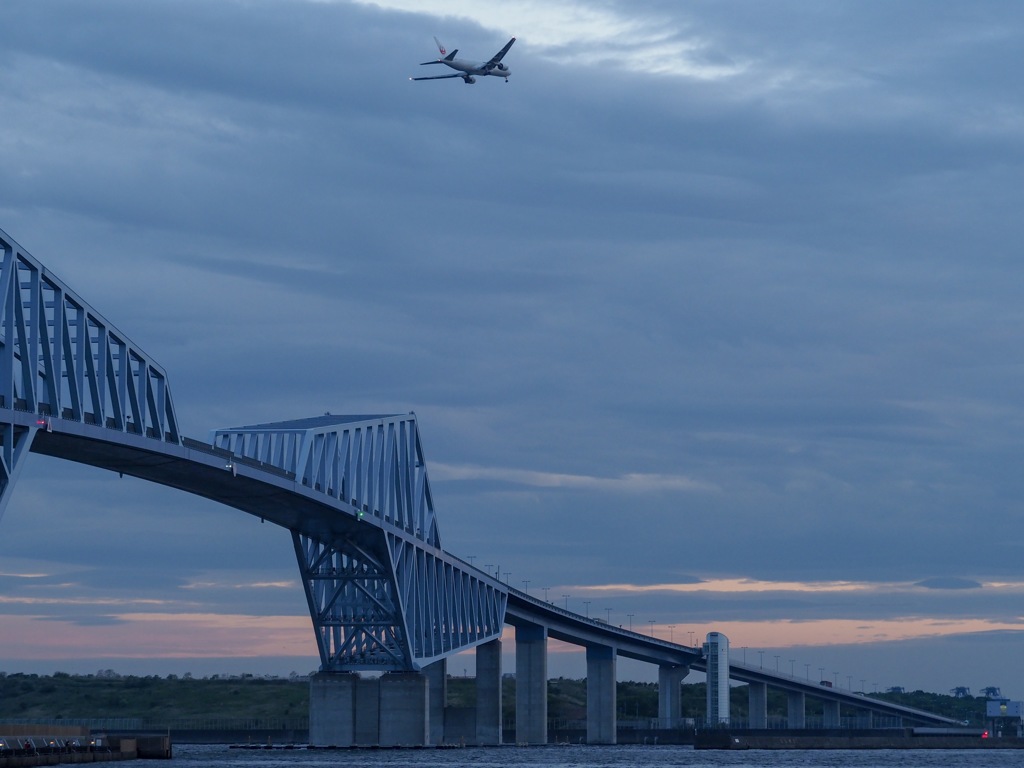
{"x":382,"y":593}
{"x":382,"y":596}
{"x":60,"y":358}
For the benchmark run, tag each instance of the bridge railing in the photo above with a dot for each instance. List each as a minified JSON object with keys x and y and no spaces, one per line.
{"x":599,"y":623}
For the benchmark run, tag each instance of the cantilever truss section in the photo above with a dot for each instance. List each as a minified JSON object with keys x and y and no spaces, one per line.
{"x":382,"y":593}
{"x":373,"y":465}
{"x":401,"y":611}
{"x":59,"y":358}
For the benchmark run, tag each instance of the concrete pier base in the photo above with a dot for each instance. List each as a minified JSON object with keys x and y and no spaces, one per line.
{"x":531,"y":684}
{"x":670,"y":695}
{"x":405,"y":710}
{"x":757,"y":705}
{"x":488,"y":693}
{"x":830,"y":712}
{"x":796,"y":710}
{"x":600,"y":694}
{"x":367,"y":712}
{"x":332,"y":707}
{"x":437,"y":696}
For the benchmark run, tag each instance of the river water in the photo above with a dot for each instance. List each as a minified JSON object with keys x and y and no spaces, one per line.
{"x":206,"y":756}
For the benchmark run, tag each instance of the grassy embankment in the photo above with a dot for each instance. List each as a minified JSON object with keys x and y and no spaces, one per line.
{"x":157,"y":699}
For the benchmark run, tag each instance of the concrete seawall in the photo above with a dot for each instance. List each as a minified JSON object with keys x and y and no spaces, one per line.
{"x":895,"y":739}
{"x":24,"y":746}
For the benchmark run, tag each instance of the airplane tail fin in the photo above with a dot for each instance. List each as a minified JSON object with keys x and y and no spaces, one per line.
{"x":445,"y":56}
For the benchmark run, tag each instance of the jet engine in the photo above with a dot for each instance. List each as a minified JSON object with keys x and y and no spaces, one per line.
{"x":469,"y":79}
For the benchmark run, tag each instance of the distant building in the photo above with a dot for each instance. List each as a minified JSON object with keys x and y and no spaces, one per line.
{"x":716,"y":653}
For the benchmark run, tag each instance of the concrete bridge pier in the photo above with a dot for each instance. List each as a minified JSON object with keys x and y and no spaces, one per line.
{"x":437,"y":698}
{"x":796,"y":710}
{"x":404,"y":710}
{"x":394,"y":710}
{"x":757,"y":705}
{"x":600,"y":694}
{"x":830,"y":712}
{"x":332,"y":708}
{"x":531,"y":684}
{"x":488,"y":693}
{"x":670,"y":695}
{"x":367,"y":715}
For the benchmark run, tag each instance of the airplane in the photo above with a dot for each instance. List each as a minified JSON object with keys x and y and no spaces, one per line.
{"x":469,"y":70}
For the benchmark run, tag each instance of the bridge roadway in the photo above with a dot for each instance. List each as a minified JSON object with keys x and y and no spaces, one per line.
{"x":274,"y":495}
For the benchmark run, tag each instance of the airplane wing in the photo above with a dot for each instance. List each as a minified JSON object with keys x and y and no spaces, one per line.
{"x":498,"y":56}
{"x":436,"y":77}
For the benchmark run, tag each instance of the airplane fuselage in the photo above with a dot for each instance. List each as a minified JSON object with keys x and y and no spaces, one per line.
{"x":478,"y":68}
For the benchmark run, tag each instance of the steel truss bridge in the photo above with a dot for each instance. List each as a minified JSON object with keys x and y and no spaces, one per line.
{"x":353,"y":491}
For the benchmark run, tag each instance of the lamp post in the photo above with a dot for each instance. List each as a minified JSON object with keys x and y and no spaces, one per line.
{"x":526,"y":586}
{"x":651,"y":622}
{"x":671,"y":628}
{"x":761,"y":654}
{"x":630,"y":615}
{"x":608,"y":615}
{"x":566,"y":597}
{"x":545,"y":590}
{"x":586,"y":605}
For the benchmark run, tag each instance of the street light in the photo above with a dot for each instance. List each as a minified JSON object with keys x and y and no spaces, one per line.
{"x":608,"y":615}
{"x":791,"y":667}
{"x":630,"y":615}
{"x":671,"y":627}
{"x":586,"y":605}
{"x":545,"y":593}
{"x":651,"y":622}
{"x":566,"y":601}
{"x":526,"y":586}
{"x":761,"y":653}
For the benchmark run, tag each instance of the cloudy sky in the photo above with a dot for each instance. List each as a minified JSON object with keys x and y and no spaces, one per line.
{"x":710,"y":316}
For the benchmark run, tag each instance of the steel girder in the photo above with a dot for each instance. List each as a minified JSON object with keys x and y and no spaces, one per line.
{"x":381,"y":593}
{"x":59,"y":358}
